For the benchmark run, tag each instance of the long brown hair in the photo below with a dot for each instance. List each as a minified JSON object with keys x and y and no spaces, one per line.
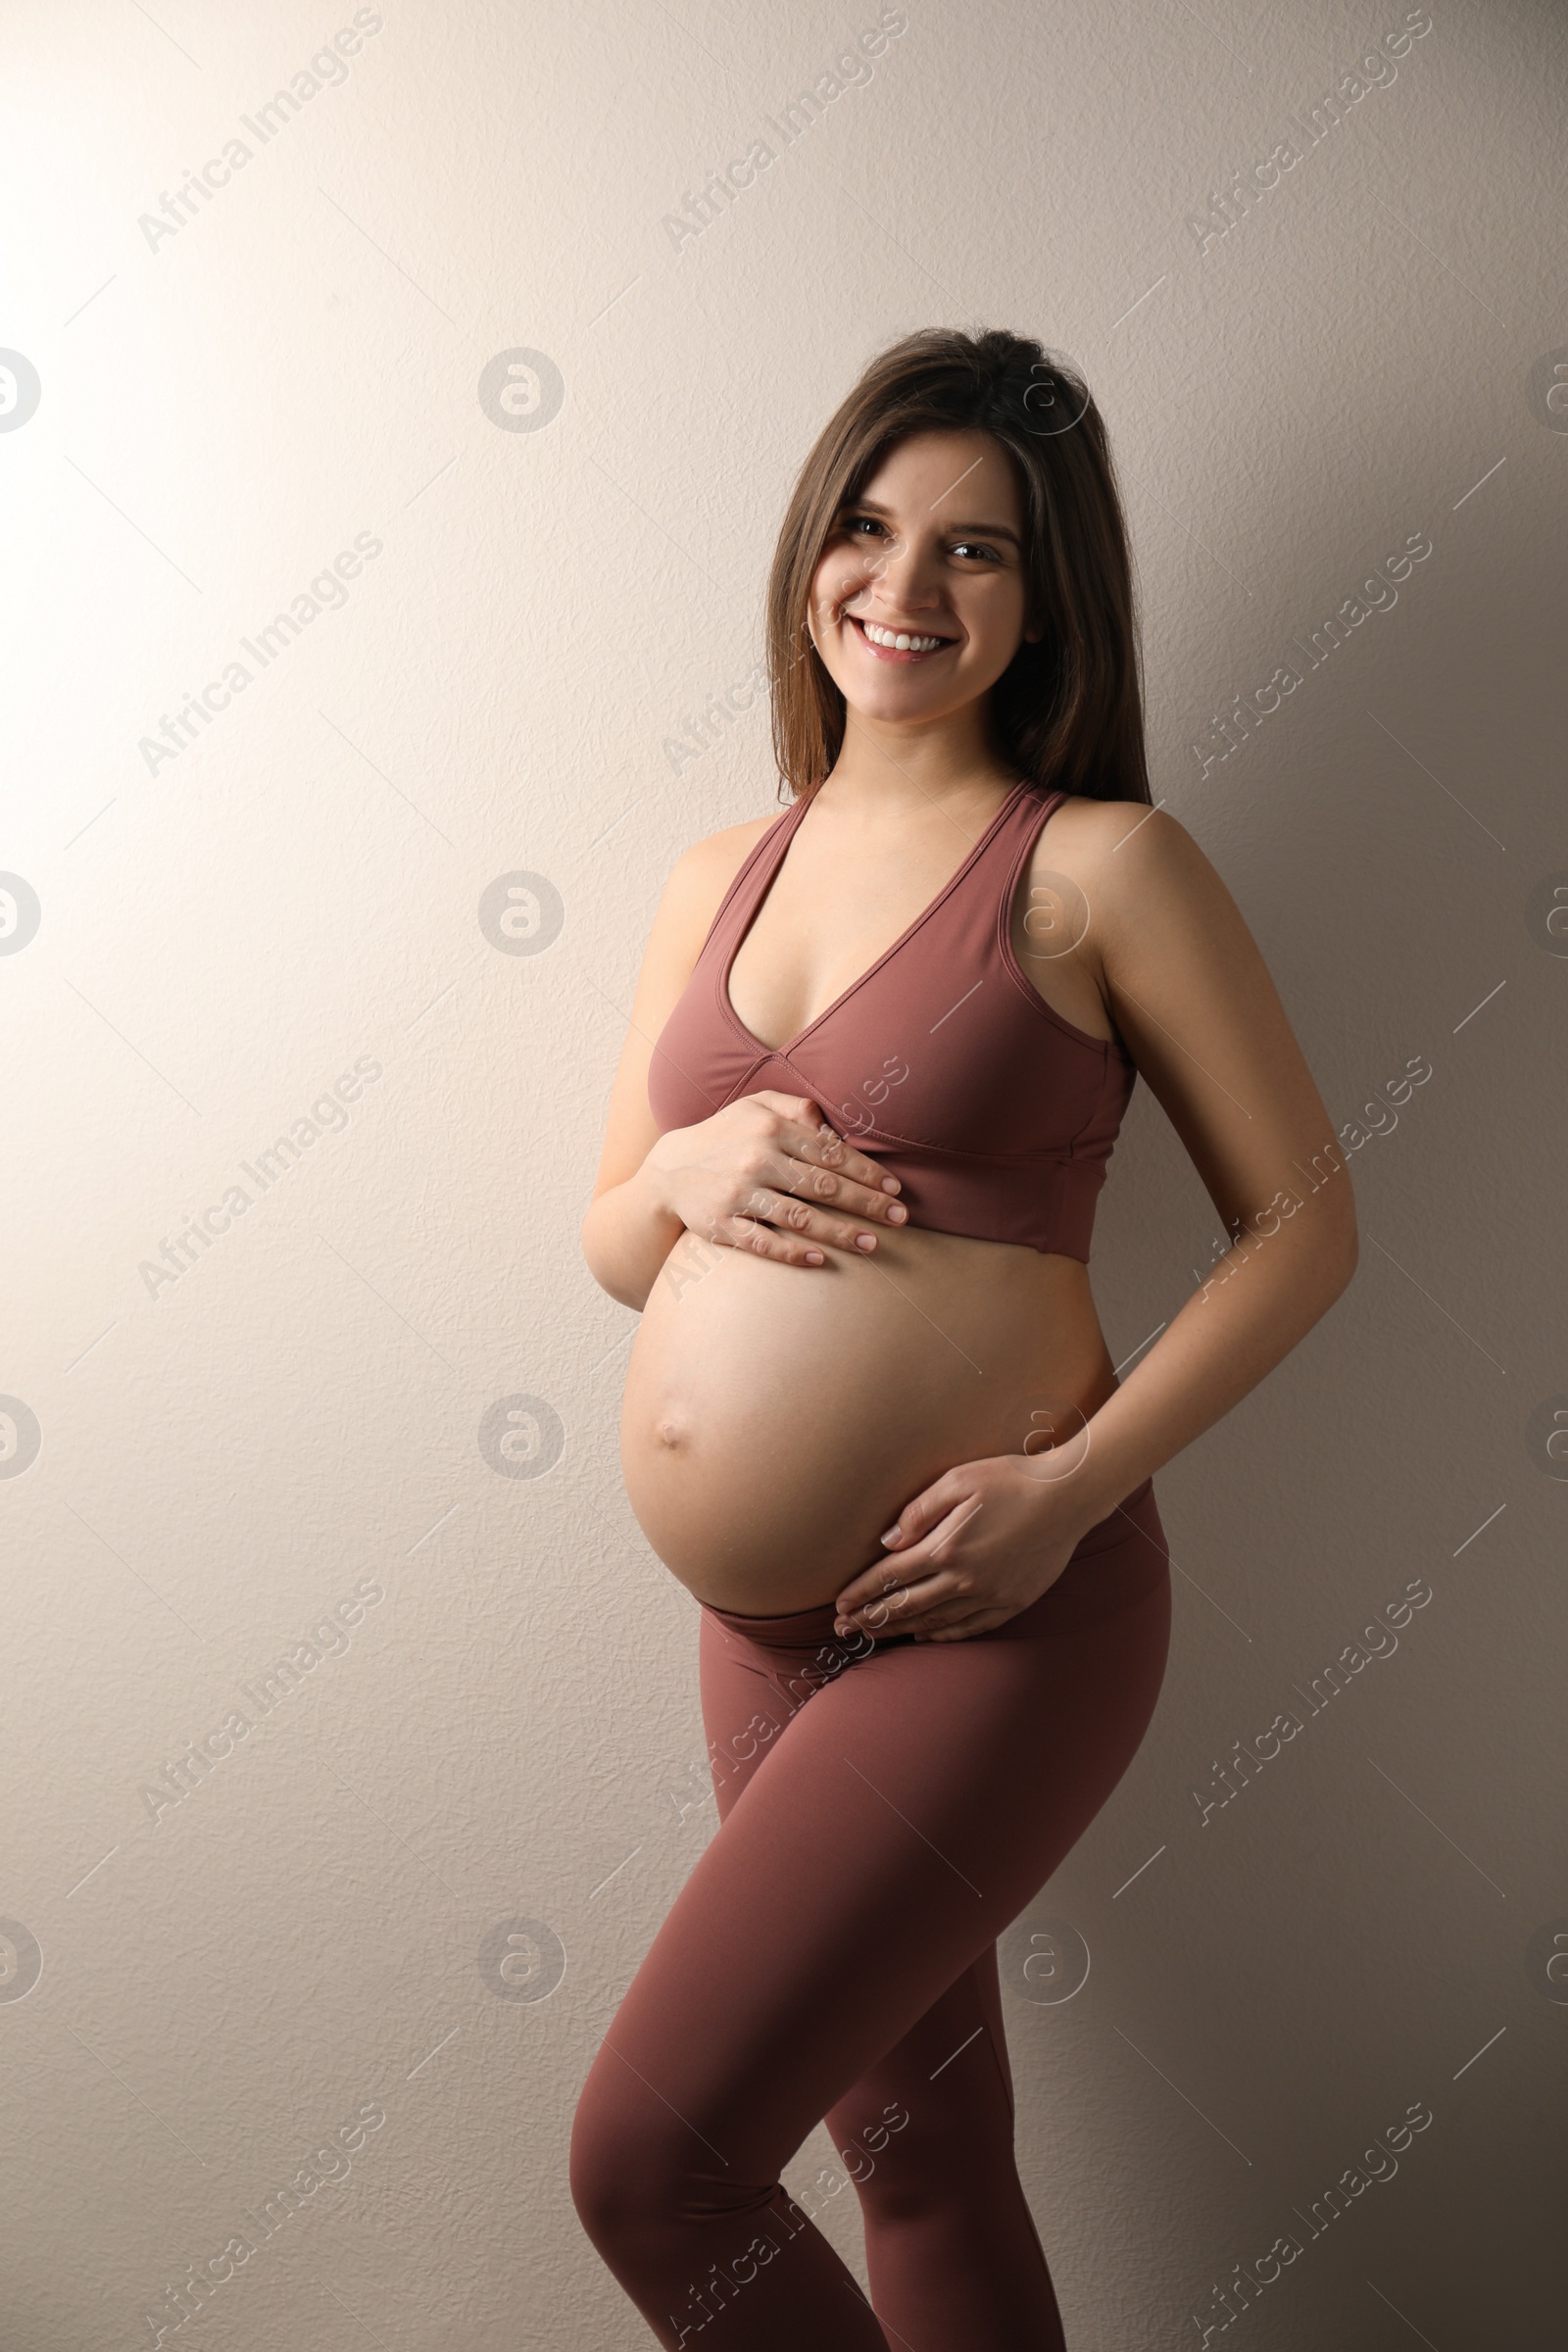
{"x":1066,"y":712}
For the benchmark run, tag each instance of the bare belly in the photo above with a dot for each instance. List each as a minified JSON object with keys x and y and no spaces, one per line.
{"x":777,"y":1418}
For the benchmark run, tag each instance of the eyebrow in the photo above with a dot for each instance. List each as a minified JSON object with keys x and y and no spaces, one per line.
{"x":988,"y":531}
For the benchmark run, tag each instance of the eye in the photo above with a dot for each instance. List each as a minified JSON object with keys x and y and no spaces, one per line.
{"x":853,"y":524}
{"x":978,"y":547}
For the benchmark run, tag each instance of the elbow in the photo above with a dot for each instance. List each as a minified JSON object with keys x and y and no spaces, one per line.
{"x":1340,"y":1257}
{"x":1326,"y":1251}
{"x":1336,"y":1241}
{"x":605,"y":1272}
{"x":591,"y":1256}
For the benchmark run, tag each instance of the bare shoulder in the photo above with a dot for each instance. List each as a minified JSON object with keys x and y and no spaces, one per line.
{"x":696,"y":888}
{"x":1099,"y":831}
{"x":712,"y":864}
{"x":1128,"y":859}
{"x":1160,"y":928}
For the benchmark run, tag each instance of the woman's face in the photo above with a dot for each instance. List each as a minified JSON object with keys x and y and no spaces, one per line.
{"x":933,"y":548}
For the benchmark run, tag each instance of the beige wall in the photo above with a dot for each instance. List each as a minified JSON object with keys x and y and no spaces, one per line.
{"x":309,"y":1419}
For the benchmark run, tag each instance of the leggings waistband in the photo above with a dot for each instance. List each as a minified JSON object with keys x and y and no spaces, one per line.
{"x":1134,"y":1521}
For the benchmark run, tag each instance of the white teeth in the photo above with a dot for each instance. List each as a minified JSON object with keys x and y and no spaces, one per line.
{"x":901,"y":645}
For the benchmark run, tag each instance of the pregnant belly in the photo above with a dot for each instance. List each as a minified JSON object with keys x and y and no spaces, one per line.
{"x":776,"y":1419}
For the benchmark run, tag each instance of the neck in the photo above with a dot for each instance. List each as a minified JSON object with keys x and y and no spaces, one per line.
{"x":947,"y":763}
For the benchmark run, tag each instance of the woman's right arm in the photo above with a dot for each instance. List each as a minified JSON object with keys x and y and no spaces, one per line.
{"x":740,"y":1178}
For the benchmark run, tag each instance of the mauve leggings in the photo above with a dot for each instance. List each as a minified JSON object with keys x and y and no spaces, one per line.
{"x":887,"y":1806}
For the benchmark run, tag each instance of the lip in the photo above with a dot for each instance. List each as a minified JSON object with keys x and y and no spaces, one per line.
{"x":888,"y":652}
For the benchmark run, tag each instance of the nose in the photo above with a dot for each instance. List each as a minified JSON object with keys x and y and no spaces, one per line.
{"x":903,"y":568}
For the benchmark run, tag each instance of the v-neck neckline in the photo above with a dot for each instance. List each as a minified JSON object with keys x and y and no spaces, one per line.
{"x":783,"y":1051}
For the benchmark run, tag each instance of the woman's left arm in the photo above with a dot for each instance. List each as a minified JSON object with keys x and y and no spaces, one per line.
{"x":1193,"y":1002}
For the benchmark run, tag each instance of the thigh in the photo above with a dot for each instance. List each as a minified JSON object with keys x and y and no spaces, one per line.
{"x":750,"y":1693}
{"x":876,"y":1837}
{"x":938,"y":2104}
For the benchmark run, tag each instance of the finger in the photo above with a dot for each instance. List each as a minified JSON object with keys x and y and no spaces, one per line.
{"x":924,"y":1523}
{"x":882,"y":1578}
{"x":766,"y":1163}
{"x":903,"y":1595}
{"x":799,"y":1132}
{"x":814,"y":1225}
{"x":925,"y":1570}
{"x":822,"y":1140}
{"x":804,"y":1108}
{"x":765,"y":1240}
{"x":967,"y":1612}
{"x":902,"y":1607}
{"x":868,"y":1588}
{"x":854,"y":1225}
{"x":809,"y":1179}
{"x":982,"y":1621}
{"x":961,"y":1605}
{"x":943,"y":1628}
{"x":824,"y":1148}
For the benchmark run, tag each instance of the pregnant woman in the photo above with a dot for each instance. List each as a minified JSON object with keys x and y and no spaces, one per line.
{"x":881,"y":1047}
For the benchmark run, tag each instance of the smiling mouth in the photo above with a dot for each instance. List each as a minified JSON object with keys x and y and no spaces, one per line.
{"x":898,"y":645}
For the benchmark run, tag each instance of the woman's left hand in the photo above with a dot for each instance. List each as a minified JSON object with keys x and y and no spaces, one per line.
{"x":986,"y":1540}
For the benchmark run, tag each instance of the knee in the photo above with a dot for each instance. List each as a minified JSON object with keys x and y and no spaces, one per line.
{"x":890,"y":2200}
{"x":631,"y":2166}
{"x":902,"y":2194}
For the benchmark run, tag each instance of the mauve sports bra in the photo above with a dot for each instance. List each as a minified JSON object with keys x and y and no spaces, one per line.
{"x":943,"y":1061}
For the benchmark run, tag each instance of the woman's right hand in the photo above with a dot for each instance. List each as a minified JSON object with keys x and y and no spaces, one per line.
{"x":769,"y":1174}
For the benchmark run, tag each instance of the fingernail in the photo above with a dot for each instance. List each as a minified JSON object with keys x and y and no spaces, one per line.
{"x":897,"y":1213}
{"x":892,"y":1536}
{"x":891,"y":1184}
{"x":841,"y":1625}
{"x":814,"y":1258}
{"x":865,"y":1241}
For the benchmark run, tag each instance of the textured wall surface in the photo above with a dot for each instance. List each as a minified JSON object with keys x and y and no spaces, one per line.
{"x":386,"y":519}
